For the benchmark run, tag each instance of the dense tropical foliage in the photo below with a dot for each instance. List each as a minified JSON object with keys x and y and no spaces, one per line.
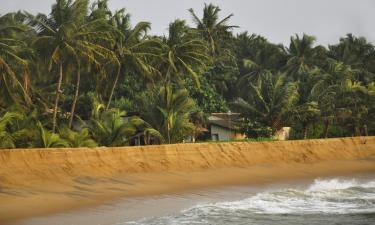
{"x":83,"y":76}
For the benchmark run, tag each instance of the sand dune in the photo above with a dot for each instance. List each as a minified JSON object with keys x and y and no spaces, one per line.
{"x":39,"y":181}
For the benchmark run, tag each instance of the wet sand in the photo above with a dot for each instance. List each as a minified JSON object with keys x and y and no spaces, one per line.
{"x":43,"y":182}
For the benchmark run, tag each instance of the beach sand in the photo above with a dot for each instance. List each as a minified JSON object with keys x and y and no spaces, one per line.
{"x":41,"y":182}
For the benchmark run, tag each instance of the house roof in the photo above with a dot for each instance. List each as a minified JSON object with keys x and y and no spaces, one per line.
{"x":225,"y":120}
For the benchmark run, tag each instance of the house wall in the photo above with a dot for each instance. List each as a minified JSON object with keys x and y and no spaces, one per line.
{"x":224,"y":134}
{"x":239,"y":136}
{"x":282,"y":134}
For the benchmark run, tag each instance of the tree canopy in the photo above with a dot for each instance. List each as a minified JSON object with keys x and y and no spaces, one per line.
{"x":84,"y":75}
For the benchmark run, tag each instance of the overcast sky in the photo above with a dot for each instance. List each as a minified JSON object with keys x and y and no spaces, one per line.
{"x":277,"y":20}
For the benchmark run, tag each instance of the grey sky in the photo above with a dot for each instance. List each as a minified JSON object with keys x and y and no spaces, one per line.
{"x":277,"y":20}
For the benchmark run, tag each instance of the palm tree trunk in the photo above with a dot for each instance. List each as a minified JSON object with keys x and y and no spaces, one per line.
{"x":314,"y":129}
{"x":305,"y":130}
{"x":72,"y":111}
{"x":326,"y":128}
{"x":58,"y":93}
{"x":365,"y":129}
{"x":113,"y":88}
{"x":357,"y":132}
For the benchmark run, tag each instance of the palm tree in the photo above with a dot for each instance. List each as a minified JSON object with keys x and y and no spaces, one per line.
{"x":268,"y":102}
{"x":302,"y":55}
{"x":109,"y":128}
{"x":327,"y":89}
{"x":78,"y":139}
{"x":184,"y":54}
{"x":211,"y":28}
{"x":352,"y":102}
{"x":134,"y":49}
{"x":168,"y":112}
{"x":7,"y":139}
{"x":47,"y":139}
{"x":307,"y":109}
{"x":11,"y":88}
{"x":67,"y":36}
{"x":259,"y":58}
{"x":357,"y":53}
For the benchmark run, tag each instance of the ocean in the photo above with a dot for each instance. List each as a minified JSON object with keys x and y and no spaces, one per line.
{"x":336,"y":201}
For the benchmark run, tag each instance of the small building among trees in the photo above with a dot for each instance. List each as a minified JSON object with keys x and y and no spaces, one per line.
{"x":225,"y":126}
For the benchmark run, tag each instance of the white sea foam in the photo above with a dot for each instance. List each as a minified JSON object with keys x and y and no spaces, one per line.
{"x":335,"y":196}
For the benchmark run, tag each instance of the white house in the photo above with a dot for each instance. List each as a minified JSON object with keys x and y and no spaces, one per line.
{"x":224,"y":126}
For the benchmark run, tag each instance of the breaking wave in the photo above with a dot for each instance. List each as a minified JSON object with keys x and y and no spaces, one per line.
{"x":325,"y":201}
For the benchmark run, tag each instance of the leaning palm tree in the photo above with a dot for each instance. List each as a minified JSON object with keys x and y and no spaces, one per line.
{"x":168,"y":112}
{"x":184,"y":55}
{"x":269,"y":102}
{"x":12,"y":89}
{"x":67,"y":36}
{"x":133,"y":48}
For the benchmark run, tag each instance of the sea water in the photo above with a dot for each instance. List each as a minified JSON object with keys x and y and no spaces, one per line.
{"x":336,"y":201}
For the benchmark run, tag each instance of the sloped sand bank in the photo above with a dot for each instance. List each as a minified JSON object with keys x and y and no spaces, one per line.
{"x":38,"y":181}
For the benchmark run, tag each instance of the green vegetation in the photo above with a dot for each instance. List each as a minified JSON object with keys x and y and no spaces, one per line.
{"x":69,"y":78}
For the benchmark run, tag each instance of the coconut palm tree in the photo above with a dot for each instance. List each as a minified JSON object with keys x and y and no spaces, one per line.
{"x":352,"y":102}
{"x":358,"y":53}
{"x":259,"y":58}
{"x":134,"y":49}
{"x":76,"y":139}
{"x":168,"y":112}
{"x":307,"y":109}
{"x":268,"y":102}
{"x":67,"y":36}
{"x":327,"y":88}
{"x":109,"y":128}
{"x":7,"y":139}
{"x":184,"y":55}
{"x":303,"y":55}
{"x":12,"y":88}
{"x":48,"y":139}
{"x":211,"y":28}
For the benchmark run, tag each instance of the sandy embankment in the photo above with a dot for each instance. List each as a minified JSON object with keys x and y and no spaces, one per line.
{"x":39,"y":181}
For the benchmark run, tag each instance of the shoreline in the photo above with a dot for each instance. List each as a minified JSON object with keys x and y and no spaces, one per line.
{"x":105,"y":210}
{"x":43,"y":183}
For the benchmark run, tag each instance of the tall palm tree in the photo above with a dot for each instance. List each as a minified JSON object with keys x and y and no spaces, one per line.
{"x":352,"y":102}
{"x":358,"y":53}
{"x":259,"y":57}
{"x":12,"y":88}
{"x":134,"y":49}
{"x":184,"y":55}
{"x":307,"y":109}
{"x":328,"y":87}
{"x":211,"y":27}
{"x":303,"y":55}
{"x":67,"y":36}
